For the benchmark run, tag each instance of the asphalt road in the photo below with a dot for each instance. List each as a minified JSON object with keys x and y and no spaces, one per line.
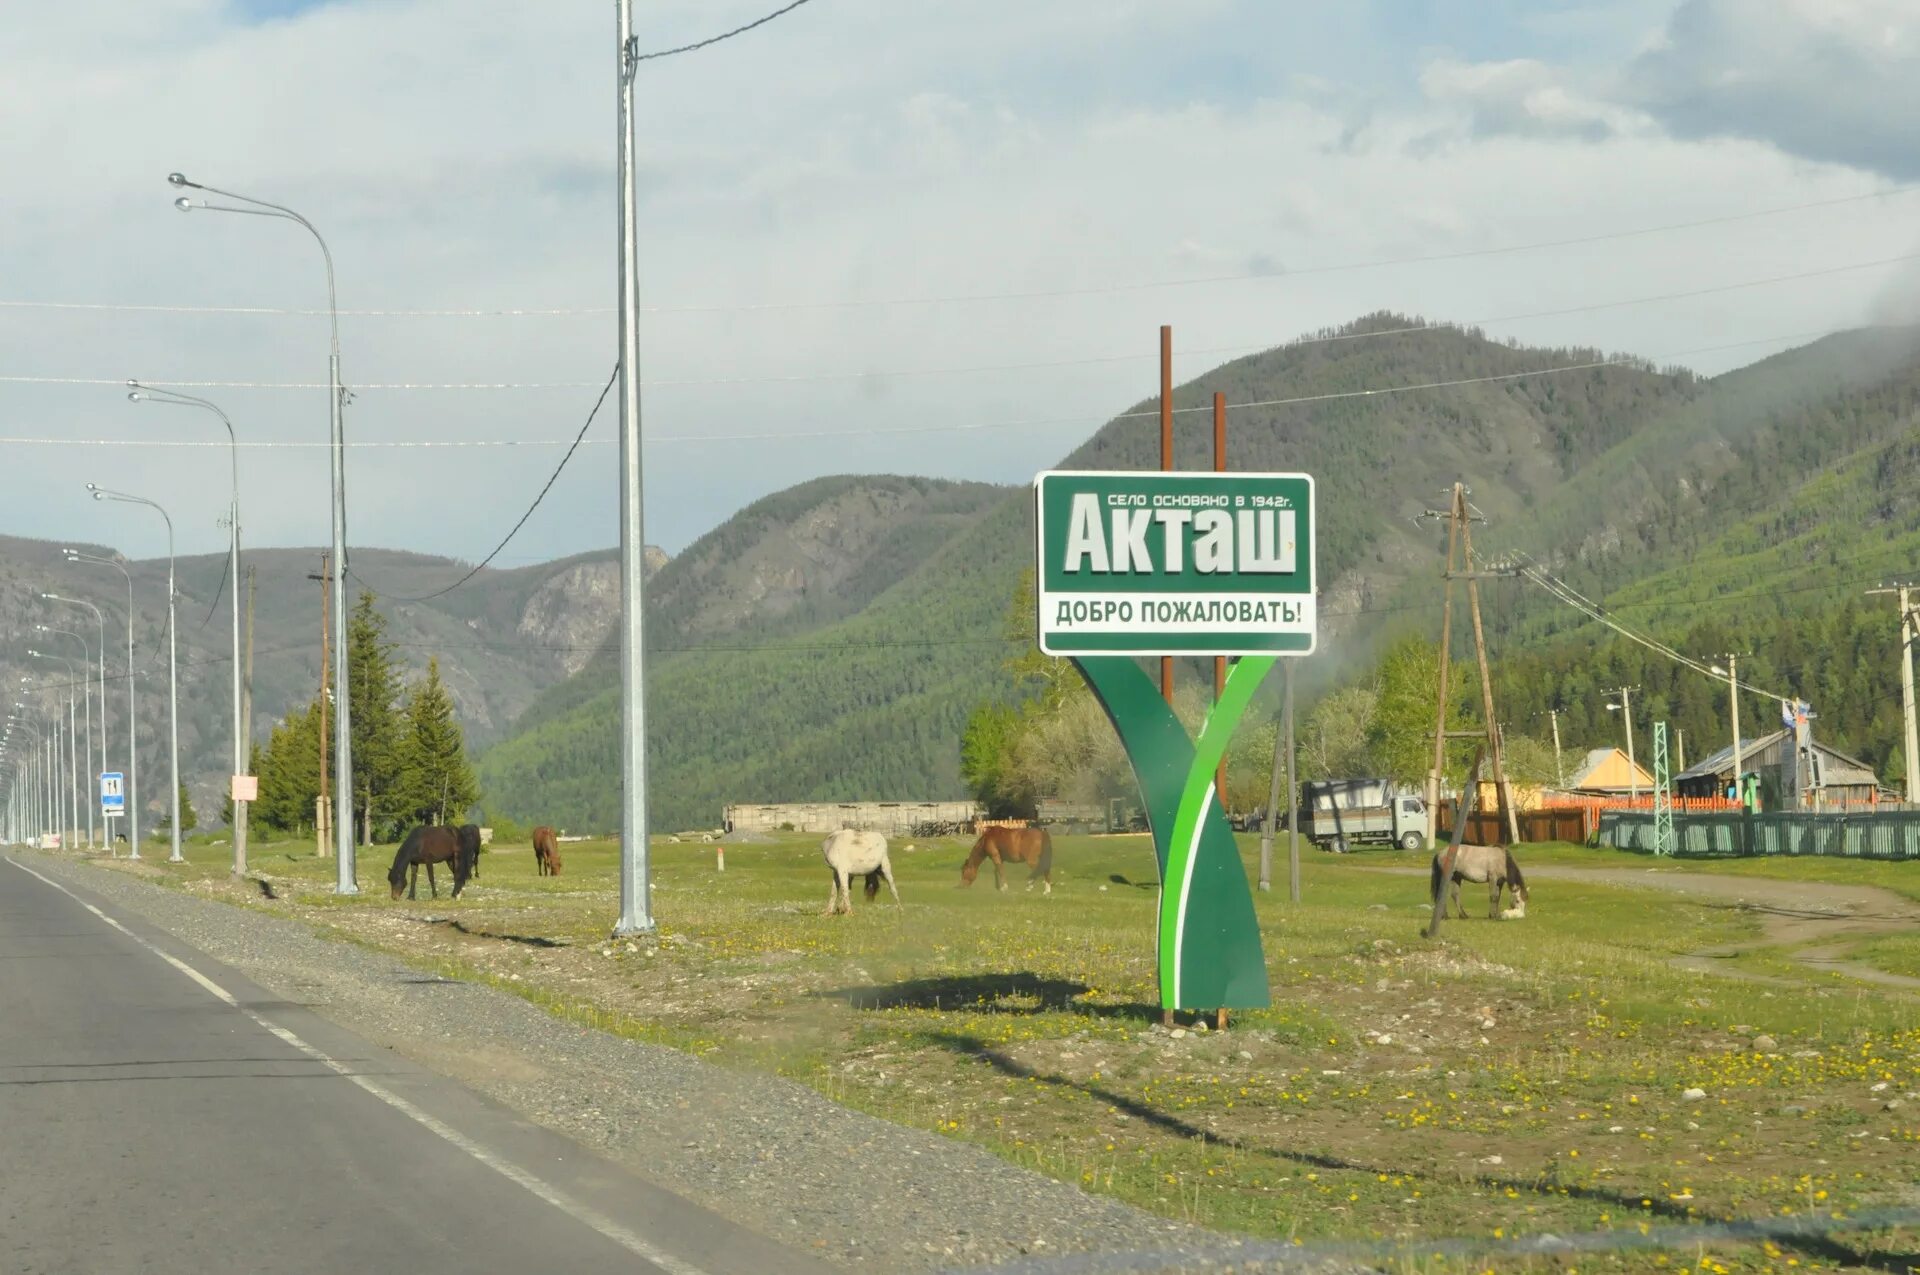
{"x":163,"y":1116}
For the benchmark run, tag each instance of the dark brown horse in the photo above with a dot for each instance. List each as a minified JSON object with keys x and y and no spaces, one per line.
{"x":546,"y":851}
{"x":1031,"y":846}
{"x":469,"y":834}
{"x":429,"y":845}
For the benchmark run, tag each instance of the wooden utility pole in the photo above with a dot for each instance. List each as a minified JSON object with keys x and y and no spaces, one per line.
{"x":1166,"y":463}
{"x":1220,"y":661}
{"x":1460,"y":520}
{"x":322,"y":823}
{"x":240,"y":808}
{"x":1909,"y":628}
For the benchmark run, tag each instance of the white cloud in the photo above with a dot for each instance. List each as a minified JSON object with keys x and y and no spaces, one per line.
{"x":459,"y":153}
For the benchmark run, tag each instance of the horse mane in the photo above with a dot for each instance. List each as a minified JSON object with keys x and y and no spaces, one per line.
{"x":1514,"y":879}
{"x":405,"y":855}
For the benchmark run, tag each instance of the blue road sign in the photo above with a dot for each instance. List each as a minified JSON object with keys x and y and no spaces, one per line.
{"x":113,"y":793}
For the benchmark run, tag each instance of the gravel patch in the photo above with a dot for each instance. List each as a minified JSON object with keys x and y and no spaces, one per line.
{"x":765,"y":1152}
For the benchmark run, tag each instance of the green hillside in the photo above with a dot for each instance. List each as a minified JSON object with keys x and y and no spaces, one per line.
{"x":872,"y":705}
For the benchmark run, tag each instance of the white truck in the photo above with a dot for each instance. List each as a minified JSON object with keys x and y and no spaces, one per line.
{"x":1341,"y":813}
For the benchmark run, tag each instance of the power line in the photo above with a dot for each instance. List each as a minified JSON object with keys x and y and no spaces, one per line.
{"x":1099,"y":290}
{"x":551,"y":479}
{"x":689,"y":48}
{"x":1622,"y":361}
{"x":970,"y":369}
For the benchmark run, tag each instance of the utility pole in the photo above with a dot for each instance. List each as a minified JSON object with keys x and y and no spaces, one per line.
{"x":1559,"y":770}
{"x":321,"y":825}
{"x":246,"y":742}
{"x":1293,"y":797}
{"x":1220,"y":661}
{"x":636,"y":903}
{"x":1732,"y":671}
{"x":1908,"y":629}
{"x":1460,"y":519}
{"x":1166,"y":463}
{"x":1625,"y":709}
{"x":1273,"y":784}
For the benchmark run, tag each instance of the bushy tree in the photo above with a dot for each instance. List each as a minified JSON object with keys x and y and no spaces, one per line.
{"x":1333,"y":738}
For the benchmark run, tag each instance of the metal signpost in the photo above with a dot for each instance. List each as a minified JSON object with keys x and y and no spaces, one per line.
{"x":1160,"y":564}
{"x":113,"y":802}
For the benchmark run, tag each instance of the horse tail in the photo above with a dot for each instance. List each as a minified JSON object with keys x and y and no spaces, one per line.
{"x":1046,"y":854}
{"x":1514,"y":879}
{"x":1438,"y":879}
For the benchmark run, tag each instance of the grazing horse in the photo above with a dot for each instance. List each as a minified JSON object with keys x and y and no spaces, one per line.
{"x":546,"y":851}
{"x":1492,"y":864}
{"x":469,"y":834}
{"x":429,"y":845}
{"x":1031,"y":846}
{"x":851,"y":854}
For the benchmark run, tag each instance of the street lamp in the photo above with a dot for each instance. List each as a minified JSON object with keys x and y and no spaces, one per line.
{"x":101,"y":621}
{"x":86,"y":699}
{"x":36,"y":782}
{"x":141,"y":393}
{"x":173,"y":666}
{"x":133,"y":734}
{"x":1625,"y":709}
{"x":63,"y":762}
{"x":344,"y":880}
{"x":73,"y":752}
{"x":1733,"y":697}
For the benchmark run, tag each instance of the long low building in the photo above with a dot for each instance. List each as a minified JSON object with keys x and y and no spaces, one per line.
{"x":893,"y":818}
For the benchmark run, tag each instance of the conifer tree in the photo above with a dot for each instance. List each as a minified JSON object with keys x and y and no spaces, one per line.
{"x":436,"y":783}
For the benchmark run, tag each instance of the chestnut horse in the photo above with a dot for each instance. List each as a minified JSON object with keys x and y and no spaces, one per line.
{"x":546,"y":851}
{"x":428,"y":845}
{"x":1031,"y":846}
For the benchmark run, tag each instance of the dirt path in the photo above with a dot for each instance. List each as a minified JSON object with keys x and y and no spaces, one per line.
{"x":1792,"y":914}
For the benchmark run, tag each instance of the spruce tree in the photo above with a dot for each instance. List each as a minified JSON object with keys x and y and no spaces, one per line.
{"x":374,"y":693}
{"x":436,"y":782}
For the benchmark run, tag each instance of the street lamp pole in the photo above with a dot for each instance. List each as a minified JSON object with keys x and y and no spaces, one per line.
{"x":101,"y":622}
{"x":345,"y":881}
{"x":173,"y":664}
{"x":86,"y":698}
{"x":75,"y":786}
{"x":636,"y":910}
{"x":137,"y":392}
{"x":133,"y":730}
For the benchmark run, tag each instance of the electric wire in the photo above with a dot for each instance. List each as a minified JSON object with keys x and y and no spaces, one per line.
{"x":551,"y":479}
{"x":728,"y":35}
{"x":1101,"y":290}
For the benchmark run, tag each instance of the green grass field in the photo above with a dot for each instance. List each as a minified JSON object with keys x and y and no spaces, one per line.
{"x":1512,"y":1078}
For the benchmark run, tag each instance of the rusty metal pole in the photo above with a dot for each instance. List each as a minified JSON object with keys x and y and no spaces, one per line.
{"x":1166,"y":463}
{"x":1220,"y":661}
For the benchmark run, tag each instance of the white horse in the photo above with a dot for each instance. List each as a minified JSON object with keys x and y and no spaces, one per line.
{"x":1493,"y":865}
{"x":851,"y":854}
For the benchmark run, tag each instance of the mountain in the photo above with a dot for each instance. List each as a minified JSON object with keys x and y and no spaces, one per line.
{"x":501,"y":639}
{"x":740,"y":688}
{"x":871,"y":705}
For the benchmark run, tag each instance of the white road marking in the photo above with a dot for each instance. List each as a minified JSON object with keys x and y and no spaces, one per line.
{"x":584,"y":1214}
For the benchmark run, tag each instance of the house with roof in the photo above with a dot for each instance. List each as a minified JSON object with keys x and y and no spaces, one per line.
{"x":1836,"y":776}
{"x":1607,"y":772}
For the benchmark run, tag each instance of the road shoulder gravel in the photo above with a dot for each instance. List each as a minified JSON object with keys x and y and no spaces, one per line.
{"x":765,"y":1152}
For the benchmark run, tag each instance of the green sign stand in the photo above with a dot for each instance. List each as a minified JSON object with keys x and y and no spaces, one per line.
{"x":1209,"y":939}
{"x":1155,"y":563}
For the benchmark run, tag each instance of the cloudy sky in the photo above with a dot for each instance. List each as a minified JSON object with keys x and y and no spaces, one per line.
{"x":834,"y":210}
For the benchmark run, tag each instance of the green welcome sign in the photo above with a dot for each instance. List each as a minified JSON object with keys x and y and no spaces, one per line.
{"x":1137,"y":563}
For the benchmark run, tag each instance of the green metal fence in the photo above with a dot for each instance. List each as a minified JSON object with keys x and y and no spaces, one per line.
{"x":1892,"y":835}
